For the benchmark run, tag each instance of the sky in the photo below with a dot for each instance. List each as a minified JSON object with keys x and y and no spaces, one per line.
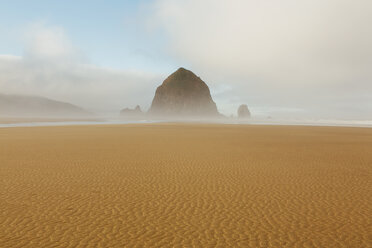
{"x":285,"y":59}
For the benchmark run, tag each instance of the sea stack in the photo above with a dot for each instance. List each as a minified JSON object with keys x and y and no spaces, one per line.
{"x":132,"y":113}
{"x":243,"y":111}
{"x":183,"y":94}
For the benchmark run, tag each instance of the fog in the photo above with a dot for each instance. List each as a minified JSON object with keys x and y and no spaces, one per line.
{"x":284,"y":59}
{"x":52,"y":67}
{"x":306,"y":58}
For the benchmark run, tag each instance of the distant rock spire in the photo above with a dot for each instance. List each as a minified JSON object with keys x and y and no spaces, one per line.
{"x":132,"y":113}
{"x":243,"y":111}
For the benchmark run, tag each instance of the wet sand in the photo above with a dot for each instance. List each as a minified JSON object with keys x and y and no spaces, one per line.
{"x":185,"y":185}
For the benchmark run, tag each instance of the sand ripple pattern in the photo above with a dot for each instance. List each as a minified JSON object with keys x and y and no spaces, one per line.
{"x":178,"y":185}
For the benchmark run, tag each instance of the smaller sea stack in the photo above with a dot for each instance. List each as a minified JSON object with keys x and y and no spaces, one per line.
{"x":132,"y":113}
{"x":243,"y":112}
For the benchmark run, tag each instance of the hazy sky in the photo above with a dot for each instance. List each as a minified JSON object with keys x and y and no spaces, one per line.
{"x":288,"y":58}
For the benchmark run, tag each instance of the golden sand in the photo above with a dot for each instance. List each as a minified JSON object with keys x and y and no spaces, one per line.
{"x":183,"y":185}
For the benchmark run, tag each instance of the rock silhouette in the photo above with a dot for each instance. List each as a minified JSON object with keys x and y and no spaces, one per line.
{"x":35,"y":106}
{"x":131,"y":113}
{"x":183,"y":94}
{"x":243,"y":111}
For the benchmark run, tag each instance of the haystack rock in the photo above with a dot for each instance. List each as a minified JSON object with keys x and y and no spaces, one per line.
{"x":243,"y":111}
{"x":132,"y":113}
{"x":183,"y":94}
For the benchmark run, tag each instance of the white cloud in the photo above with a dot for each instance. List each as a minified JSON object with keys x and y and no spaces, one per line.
{"x":52,"y":67}
{"x":44,"y":42}
{"x":314,"y":55}
{"x":311,"y":56}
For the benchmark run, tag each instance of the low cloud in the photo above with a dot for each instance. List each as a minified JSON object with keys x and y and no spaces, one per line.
{"x":52,"y":67}
{"x":312,"y":56}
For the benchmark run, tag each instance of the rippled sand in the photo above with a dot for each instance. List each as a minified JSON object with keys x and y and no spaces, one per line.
{"x":175,"y":185}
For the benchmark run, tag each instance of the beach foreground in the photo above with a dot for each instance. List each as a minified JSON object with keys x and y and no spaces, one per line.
{"x":185,"y":185}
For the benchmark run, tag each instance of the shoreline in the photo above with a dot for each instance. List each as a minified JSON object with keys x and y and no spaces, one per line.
{"x":82,"y":122}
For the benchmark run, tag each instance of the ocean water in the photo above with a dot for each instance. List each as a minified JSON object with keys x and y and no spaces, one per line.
{"x":72,"y":123}
{"x":299,"y":122}
{"x":313,"y":122}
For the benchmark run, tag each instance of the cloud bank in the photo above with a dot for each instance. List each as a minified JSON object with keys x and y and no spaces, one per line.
{"x":52,"y":67}
{"x":312,"y":57}
{"x":288,"y":58}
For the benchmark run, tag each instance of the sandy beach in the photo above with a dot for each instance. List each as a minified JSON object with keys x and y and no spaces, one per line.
{"x":185,"y":185}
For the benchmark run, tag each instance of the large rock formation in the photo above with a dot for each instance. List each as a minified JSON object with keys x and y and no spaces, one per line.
{"x":132,"y":113}
{"x":183,"y":94}
{"x":243,"y":111}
